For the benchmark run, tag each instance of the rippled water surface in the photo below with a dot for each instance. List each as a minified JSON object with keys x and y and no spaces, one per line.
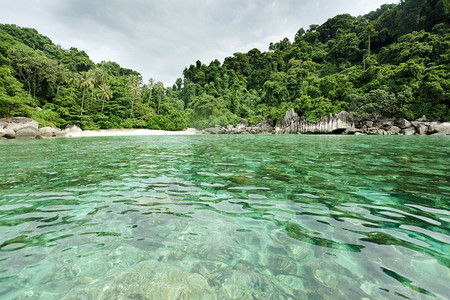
{"x":225,"y":217}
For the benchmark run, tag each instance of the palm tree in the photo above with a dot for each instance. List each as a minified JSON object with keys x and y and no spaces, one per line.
{"x":133,"y":85}
{"x":151,"y":83}
{"x":74,"y":80}
{"x":85,"y":83}
{"x":105,"y":93}
{"x":93,"y":82}
{"x":159,"y":88}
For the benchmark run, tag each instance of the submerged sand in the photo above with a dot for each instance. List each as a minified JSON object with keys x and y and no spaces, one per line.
{"x":129,"y":132}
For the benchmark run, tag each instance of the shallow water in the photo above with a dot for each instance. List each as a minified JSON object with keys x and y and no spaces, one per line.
{"x":225,"y":217}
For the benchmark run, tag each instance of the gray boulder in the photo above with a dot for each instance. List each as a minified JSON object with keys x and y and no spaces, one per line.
{"x":402,"y":123}
{"x":408,"y":131}
{"x":368,"y":124}
{"x":2,"y":132}
{"x":421,"y":127}
{"x":441,"y":128}
{"x":17,"y":123}
{"x":2,"y":124}
{"x":9,"y":133}
{"x":394,"y":130}
{"x":47,"y":132}
{"x":242,"y":125}
{"x":353,"y":130}
{"x":27,"y":132}
{"x":212,"y":130}
{"x":73,"y":129}
{"x":265,"y":127}
{"x":59,"y":133}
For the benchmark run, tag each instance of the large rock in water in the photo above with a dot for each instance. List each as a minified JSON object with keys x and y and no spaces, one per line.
{"x":27,"y":132}
{"x":17,"y":123}
{"x":47,"y":132}
{"x":440,"y":128}
{"x":9,"y":133}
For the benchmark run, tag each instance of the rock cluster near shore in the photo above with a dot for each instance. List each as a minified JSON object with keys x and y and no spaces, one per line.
{"x":26,"y":128}
{"x":341,"y":123}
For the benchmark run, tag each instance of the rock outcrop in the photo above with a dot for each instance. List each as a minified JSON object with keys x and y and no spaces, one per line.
{"x":9,"y":133}
{"x":333,"y":124}
{"x":21,"y":127}
{"x":29,"y":132}
{"x":341,"y":123}
{"x":47,"y":132}
{"x":17,"y":123}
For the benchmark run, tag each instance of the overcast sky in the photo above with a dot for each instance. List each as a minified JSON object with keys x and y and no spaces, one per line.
{"x":159,"y":38}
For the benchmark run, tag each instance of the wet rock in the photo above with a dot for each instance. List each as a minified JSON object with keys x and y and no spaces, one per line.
{"x":9,"y":133}
{"x":421,"y":128}
{"x":27,"y":132}
{"x":375,"y":131}
{"x":368,"y":123}
{"x":408,"y":131}
{"x":441,"y":128}
{"x":47,"y":132}
{"x":353,"y":130}
{"x":402,"y":123}
{"x":394,"y":130}
{"x":17,"y":123}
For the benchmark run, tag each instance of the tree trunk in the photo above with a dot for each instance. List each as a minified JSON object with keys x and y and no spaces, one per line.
{"x":132,"y":105}
{"x":149,"y":97}
{"x":159,"y":103}
{"x":82,"y":103}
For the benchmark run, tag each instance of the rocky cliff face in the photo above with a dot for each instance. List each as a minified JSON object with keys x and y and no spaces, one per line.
{"x":335,"y":124}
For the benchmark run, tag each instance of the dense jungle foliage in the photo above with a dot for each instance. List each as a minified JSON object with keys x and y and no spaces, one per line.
{"x":392,"y":62}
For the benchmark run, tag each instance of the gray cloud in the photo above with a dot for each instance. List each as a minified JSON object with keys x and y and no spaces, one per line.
{"x":160,"y":38}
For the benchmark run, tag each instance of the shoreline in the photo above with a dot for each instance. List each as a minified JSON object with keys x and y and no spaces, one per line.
{"x":128,"y":132}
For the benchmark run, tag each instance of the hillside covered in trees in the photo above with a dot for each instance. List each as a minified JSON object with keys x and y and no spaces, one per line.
{"x":392,"y":62}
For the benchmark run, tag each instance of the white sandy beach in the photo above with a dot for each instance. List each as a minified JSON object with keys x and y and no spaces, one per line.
{"x":129,"y":132}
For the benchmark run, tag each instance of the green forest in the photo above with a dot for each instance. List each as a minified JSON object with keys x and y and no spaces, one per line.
{"x":392,"y":62}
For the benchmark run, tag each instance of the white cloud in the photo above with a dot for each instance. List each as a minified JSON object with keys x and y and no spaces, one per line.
{"x":160,"y":38}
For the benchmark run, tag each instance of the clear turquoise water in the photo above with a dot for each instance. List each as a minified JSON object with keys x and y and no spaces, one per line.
{"x":225,"y":217}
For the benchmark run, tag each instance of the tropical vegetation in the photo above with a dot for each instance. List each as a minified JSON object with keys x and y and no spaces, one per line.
{"x":392,"y":62}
